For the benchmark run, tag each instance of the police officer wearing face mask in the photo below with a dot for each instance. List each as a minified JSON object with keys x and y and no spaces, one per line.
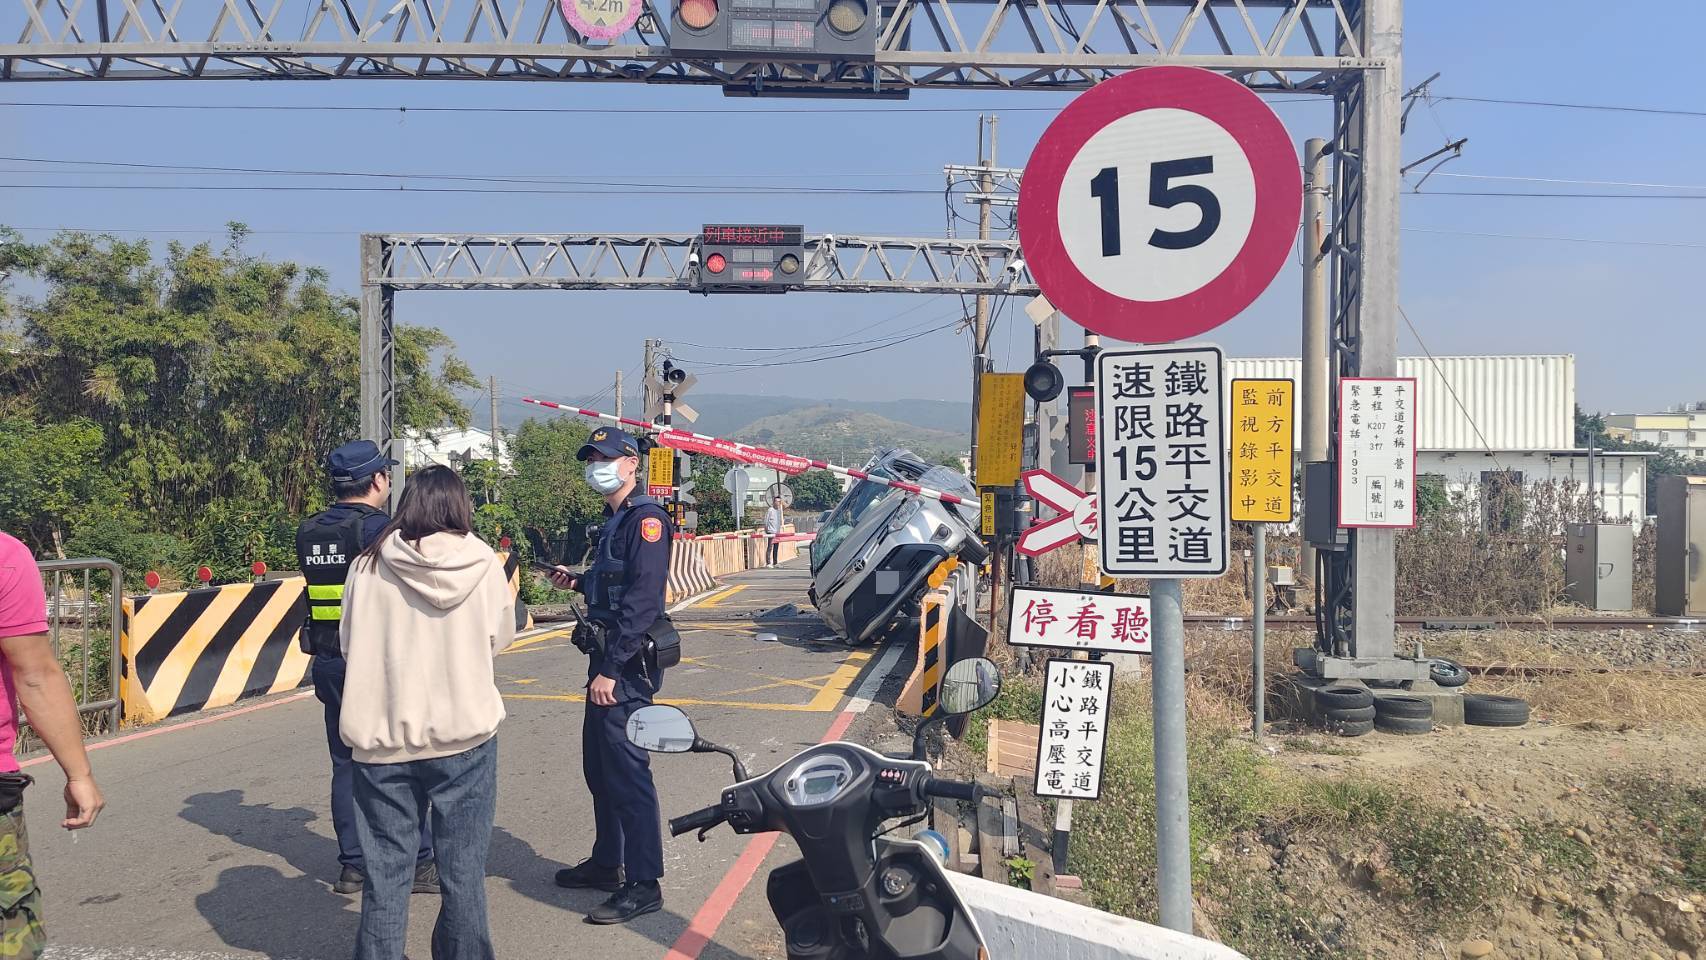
{"x":625,"y":600}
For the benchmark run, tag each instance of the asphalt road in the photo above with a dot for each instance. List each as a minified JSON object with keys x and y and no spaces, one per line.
{"x":217,"y":841}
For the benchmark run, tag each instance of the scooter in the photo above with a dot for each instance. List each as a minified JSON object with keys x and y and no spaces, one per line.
{"x":857,"y":894}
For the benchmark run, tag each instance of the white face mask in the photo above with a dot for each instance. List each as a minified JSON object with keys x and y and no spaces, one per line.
{"x":605,"y":476}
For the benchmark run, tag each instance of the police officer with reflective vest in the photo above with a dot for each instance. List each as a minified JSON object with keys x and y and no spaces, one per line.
{"x":624,"y":589}
{"x":326,"y":543}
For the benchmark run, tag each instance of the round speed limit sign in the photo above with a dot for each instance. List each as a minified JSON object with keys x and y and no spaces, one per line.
{"x":1160,"y":204}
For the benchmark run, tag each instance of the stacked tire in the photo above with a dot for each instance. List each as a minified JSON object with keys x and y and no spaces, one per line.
{"x":1345,"y":711}
{"x":1404,"y":716}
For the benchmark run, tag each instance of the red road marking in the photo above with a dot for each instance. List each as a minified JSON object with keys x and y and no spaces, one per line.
{"x":716,"y":909}
{"x":156,"y":731}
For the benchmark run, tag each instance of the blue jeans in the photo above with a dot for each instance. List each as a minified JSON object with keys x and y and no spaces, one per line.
{"x":463,"y":792}
{"x":328,"y":672}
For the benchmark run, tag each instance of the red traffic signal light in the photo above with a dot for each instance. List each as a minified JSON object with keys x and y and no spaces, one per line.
{"x":716,"y":263}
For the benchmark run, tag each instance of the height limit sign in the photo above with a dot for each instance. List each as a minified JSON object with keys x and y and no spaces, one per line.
{"x":1161,"y":462}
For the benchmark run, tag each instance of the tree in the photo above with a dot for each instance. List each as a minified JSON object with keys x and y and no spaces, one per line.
{"x":215,"y":382}
{"x":816,"y":490}
{"x":49,"y":473}
{"x":548,"y":490}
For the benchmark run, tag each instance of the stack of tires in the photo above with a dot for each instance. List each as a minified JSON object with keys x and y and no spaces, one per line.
{"x":1345,"y":711}
{"x":1349,"y":711}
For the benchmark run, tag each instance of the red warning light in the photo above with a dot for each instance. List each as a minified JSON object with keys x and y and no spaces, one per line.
{"x":716,"y":263}
{"x":503,"y":543}
{"x":204,"y":574}
{"x":259,"y":568}
{"x":152,"y":579}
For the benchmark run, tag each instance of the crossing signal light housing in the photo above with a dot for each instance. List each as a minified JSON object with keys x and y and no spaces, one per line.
{"x":729,"y":30}
{"x":750,"y":258}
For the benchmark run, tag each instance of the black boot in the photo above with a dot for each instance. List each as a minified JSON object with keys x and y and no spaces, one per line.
{"x":349,"y":881}
{"x":633,"y":900}
{"x":590,"y":875}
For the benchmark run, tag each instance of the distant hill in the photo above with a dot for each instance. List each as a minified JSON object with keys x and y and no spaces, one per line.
{"x":842,"y":435}
{"x":725,"y":414}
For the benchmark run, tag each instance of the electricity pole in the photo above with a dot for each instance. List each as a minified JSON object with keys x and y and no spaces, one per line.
{"x":980,"y":332}
{"x":492,"y":492}
{"x":618,"y":394}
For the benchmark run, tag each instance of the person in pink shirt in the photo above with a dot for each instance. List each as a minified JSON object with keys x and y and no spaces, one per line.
{"x":31,"y":678}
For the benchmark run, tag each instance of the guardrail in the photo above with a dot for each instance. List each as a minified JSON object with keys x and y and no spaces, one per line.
{"x":95,"y":685}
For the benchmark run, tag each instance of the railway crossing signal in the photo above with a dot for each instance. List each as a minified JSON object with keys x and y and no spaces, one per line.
{"x":728,"y":29}
{"x":750,"y":258}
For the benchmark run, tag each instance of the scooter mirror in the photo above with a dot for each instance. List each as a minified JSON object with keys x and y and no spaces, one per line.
{"x":662,"y":729}
{"x":970,"y":685}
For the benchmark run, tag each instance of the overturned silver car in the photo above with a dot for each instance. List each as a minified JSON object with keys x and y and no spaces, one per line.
{"x":875,"y":551}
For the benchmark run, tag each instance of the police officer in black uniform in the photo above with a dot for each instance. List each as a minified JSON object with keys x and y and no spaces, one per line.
{"x":625,"y":599}
{"x":326,"y":543}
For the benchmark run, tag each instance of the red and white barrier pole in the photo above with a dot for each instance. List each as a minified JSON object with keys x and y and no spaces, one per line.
{"x":746,"y":453}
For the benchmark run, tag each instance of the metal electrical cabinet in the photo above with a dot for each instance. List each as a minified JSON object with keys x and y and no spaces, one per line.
{"x":1599,"y":559}
{"x":1681,"y":562}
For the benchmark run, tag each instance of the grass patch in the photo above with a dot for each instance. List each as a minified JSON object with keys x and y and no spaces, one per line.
{"x":1677,"y":813}
{"x":1559,"y":852}
{"x":1258,"y":920}
{"x":1317,"y":745}
{"x":1454,"y":861}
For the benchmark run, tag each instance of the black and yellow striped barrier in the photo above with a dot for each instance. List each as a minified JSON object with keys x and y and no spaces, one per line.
{"x":919,"y":697}
{"x":210,"y":648}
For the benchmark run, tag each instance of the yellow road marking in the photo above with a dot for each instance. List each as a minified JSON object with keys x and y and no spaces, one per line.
{"x":715,"y":599}
{"x":560,"y":634}
{"x":839,"y":681}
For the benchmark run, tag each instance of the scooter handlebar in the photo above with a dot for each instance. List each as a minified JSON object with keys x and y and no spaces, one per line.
{"x":697,"y":820}
{"x":951,"y":789}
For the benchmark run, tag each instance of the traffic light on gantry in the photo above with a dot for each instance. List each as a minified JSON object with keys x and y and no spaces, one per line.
{"x":750,"y":258}
{"x":812,"y":29}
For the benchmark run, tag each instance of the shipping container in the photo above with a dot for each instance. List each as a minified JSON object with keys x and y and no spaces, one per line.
{"x":1471,"y":403}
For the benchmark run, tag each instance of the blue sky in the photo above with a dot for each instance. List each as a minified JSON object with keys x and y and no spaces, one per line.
{"x":1631,"y":313}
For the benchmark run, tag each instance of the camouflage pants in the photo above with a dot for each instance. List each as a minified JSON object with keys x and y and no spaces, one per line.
{"x":21,"y":934}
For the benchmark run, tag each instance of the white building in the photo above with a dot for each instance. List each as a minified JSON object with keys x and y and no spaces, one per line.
{"x":1498,"y":419}
{"x":452,"y":448}
{"x":1682,"y":429}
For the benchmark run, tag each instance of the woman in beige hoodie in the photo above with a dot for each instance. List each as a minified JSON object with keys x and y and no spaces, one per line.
{"x":426,"y":606}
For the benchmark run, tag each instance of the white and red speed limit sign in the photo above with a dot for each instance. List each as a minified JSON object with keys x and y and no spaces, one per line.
{"x":1159,"y":204}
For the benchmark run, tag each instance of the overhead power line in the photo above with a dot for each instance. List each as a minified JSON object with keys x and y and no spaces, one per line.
{"x":1609,"y":107}
{"x":836,"y":356}
{"x":404,"y":110}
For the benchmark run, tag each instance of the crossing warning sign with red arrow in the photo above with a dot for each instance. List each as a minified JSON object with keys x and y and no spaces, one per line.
{"x":1077,"y":511}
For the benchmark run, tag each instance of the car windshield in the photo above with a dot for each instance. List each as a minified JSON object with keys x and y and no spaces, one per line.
{"x":845,"y":517}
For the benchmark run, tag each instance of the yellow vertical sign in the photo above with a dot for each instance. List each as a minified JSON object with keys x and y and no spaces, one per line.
{"x":661,"y":471}
{"x":1263,"y":437}
{"x":988,"y":513}
{"x":1000,"y":428}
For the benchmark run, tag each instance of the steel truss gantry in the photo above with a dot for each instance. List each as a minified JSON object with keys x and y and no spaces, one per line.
{"x":1349,"y":50}
{"x":922,"y":44}
{"x":669,"y":261}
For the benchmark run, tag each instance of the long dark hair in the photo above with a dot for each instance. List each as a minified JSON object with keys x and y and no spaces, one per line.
{"x":435,"y":501}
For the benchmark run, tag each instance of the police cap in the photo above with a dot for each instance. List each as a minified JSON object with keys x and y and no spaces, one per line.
{"x":611,"y":442}
{"x":356,"y":460}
